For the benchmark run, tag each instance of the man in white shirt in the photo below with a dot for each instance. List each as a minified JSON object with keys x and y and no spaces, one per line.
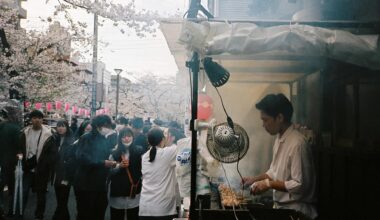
{"x":291,"y":174}
{"x":39,"y":152}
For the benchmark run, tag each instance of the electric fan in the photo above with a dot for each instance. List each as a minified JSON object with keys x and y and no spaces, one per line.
{"x":226,"y":143}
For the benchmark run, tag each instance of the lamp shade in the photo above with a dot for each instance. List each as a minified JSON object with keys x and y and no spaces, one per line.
{"x":217,"y":74}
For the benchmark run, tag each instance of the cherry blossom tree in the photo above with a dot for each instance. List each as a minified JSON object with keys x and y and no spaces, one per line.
{"x":34,"y":63}
{"x":161,"y":97}
{"x":38,"y":64}
{"x":142,"y":22}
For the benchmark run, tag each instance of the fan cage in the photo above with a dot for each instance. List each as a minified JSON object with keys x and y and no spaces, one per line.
{"x":231,"y":153}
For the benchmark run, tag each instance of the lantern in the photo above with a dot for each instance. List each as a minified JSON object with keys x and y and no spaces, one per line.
{"x":67,"y":107}
{"x":74,"y":109}
{"x":58,"y":105}
{"x":26,"y":104}
{"x":205,"y":106}
{"x":49,"y":106}
{"x":81,"y":111}
{"x":38,"y":105}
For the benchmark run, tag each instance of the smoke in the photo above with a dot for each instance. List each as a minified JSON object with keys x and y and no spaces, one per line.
{"x":240,"y":105}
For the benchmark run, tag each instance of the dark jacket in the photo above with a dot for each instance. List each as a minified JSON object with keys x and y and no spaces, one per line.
{"x":120,"y":184}
{"x":44,"y":166}
{"x":64,"y":159}
{"x":141,"y":140}
{"x":91,"y":174}
{"x":9,"y":144}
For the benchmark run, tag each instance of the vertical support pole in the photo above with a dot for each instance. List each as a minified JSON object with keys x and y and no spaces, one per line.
{"x":356,"y":93}
{"x":117,"y":95}
{"x":94,"y":64}
{"x":195,"y":6}
{"x":194,"y":114}
{"x":194,"y":65}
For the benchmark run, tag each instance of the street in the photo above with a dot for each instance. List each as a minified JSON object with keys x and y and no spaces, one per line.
{"x":50,"y":206}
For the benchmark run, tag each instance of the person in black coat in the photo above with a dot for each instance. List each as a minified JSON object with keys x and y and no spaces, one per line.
{"x":62,"y":181}
{"x":72,"y":164}
{"x":9,"y":147}
{"x":74,"y":125}
{"x":93,"y":169}
{"x":125,"y":179}
{"x":137,"y":125}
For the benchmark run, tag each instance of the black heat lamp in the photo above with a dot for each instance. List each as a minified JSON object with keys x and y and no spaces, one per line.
{"x":217,"y":74}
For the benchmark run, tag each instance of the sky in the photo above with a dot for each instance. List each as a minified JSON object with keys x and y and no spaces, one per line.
{"x":123,"y":51}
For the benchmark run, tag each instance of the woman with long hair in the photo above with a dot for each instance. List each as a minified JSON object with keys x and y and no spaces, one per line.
{"x":158,"y":194}
{"x":125,"y":179}
{"x":62,"y":183}
{"x":84,"y":127}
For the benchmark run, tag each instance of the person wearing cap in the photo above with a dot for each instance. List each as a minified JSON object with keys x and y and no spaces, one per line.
{"x":39,"y":153}
{"x":291,"y":174}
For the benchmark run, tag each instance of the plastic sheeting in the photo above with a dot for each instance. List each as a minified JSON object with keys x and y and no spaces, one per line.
{"x":218,"y":38}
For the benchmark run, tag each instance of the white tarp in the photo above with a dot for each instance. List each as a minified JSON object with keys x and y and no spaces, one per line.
{"x":217,"y":38}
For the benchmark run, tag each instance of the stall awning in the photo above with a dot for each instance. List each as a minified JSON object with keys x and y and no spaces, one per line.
{"x":298,"y":42}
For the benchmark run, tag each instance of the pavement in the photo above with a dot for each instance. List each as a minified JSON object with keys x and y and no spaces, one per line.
{"x":51,"y":204}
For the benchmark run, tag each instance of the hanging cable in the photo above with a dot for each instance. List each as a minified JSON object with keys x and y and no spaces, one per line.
{"x":230,"y":122}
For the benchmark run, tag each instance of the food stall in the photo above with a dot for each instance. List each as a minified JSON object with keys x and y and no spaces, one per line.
{"x":330,"y":71}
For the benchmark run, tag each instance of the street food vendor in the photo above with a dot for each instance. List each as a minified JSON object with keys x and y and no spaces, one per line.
{"x":291,"y":174}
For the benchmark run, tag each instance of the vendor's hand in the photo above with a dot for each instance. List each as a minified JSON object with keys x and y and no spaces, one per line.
{"x":109,"y":163}
{"x":124,"y":163}
{"x":260,"y":186}
{"x":248,"y":180}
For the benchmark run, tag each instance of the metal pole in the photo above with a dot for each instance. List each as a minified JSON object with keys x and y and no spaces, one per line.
{"x":117,"y":94}
{"x":194,"y":65}
{"x":94,"y":64}
{"x":194,"y":114}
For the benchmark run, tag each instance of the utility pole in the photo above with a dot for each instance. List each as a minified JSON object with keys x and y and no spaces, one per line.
{"x":94,"y":64}
{"x":117,"y":71}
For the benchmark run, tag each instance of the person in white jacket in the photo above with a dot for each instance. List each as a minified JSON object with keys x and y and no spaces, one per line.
{"x":158,"y":194}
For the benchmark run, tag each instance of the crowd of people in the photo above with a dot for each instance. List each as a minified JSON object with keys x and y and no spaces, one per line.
{"x":127,"y":165}
{"x":141,"y":170}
